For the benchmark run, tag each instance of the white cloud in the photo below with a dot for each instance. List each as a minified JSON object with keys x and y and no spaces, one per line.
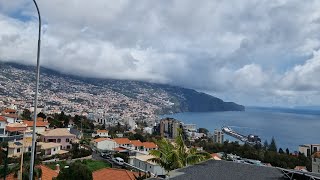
{"x":252,"y":51}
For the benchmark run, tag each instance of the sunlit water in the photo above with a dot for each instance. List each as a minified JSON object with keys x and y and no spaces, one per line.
{"x":290,"y":128}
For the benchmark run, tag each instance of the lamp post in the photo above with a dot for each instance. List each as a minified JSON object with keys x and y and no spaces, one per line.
{"x":33,"y":150}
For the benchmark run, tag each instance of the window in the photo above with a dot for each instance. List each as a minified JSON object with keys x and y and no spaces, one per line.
{"x":18,"y":150}
{"x":67,"y":140}
{"x":29,"y":149}
{"x":59,"y":140}
{"x":68,"y":147}
{"x":54,"y":149}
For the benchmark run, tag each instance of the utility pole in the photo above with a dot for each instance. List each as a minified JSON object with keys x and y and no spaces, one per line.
{"x":5,"y":162}
{"x":33,"y":150}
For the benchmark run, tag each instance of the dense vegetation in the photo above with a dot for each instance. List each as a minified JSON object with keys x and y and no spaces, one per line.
{"x":267,"y":153}
{"x":176,"y":155}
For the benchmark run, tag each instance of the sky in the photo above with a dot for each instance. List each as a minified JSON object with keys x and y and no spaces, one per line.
{"x":253,"y":52}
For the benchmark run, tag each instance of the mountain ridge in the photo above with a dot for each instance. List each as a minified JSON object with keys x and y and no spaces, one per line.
{"x":180,"y":99}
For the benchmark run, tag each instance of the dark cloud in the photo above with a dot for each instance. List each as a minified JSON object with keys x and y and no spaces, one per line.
{"x":252,"y":51}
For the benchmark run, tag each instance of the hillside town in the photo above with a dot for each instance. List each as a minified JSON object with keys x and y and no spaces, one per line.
{"x":129,"y":150}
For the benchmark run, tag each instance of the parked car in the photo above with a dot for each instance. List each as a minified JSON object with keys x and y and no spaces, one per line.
{"x":118,"y":161}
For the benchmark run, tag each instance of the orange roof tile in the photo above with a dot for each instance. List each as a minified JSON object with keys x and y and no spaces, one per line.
{"x":149,"y":145}
{"x":2,"y":118}
{"x":9,"y":111}
{"x":100,"y":139}
{"x":137,"y":143}
{"x":114,"y":174}
{"x":102,"y":131}
{"x":47,"y":173}
{"x":122,"y":140}
{"x":10,"y":115}
{"x":39,"y":123}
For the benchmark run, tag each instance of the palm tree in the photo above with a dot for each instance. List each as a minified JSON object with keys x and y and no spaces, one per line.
{"x":171,"y":156}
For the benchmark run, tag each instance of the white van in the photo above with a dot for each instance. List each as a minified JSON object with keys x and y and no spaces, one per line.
{"x":118,"y":161}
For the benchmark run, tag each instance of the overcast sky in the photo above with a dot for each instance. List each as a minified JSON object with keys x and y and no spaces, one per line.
{"x":254,"y":52}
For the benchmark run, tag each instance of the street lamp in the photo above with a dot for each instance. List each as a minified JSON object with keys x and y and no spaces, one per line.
{"x":33,"y":150}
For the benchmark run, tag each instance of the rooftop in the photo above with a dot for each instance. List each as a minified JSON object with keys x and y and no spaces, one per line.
{"x":100,"y":139}
{"x":114,"y":174}
{"x":102,"y":131}
{"x":58,"y":132}
{"x":149,"y":145}
{"x":225,"y":170}
{"x":145,"y":158}
{"x":38,"y":124}
{"x":48,"y":145}
{"x":136,"y":143}
{"x":122,"y":140}
{"x":2,"y":118}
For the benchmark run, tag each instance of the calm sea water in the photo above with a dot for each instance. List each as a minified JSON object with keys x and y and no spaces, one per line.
{"x":289,"y":127}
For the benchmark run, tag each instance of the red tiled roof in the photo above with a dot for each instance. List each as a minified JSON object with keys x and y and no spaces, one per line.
{"x":102,"y":131}
{"x":47,"y":173}
{"x":39,"y":123}
{"x":137,"y":143}
{"x":2,"y":118}
{"x":15,"y":128}
{"x":10,"y":115}
{"x":149,"y":145}
{"x":100,"y":139}
{"x":114,"y":174}
{"x":9,"y":111}
{"x":122,"y":140}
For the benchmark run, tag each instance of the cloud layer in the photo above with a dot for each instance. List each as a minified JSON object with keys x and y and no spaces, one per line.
{"x":255,"y":52}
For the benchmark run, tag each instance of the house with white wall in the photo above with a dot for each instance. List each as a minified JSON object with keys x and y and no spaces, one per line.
{"x":143,"y":163}
{"x":41,"y":126}
{"x":50,"y":148}
{"x":101,"y":133}
{"x":309,"y":149}
{"x":10,"y":114}
{"x":3,"y":124}
{"x":104,"y":144}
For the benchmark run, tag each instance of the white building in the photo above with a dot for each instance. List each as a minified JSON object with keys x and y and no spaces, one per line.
{"x":316,"y":162}
{"x":41,"y":126}
{"x":3,"y":124}
{"x":51,"y":148}
{"x":218,"y":136}
{"x":17,"y":147}
{"x":101,"y":133}
{"x":104,"y":144}
{"x":309,"y":149}
{"x":142,"y":163}
{"x":148,"y":130}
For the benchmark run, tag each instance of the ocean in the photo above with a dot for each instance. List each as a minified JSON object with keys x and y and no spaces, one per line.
{"x":289,"y":127}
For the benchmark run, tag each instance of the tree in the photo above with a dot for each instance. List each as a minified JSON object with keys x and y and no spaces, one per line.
{"x":281,"y":151}
{"x":172,"y":156}
{"x":273,"y":146}
{"x":287,"y":151}
{"x":76,"y":171}
{"x":42,"y":115}
{"x":265,"y":145}
{"x":26,"y":114}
